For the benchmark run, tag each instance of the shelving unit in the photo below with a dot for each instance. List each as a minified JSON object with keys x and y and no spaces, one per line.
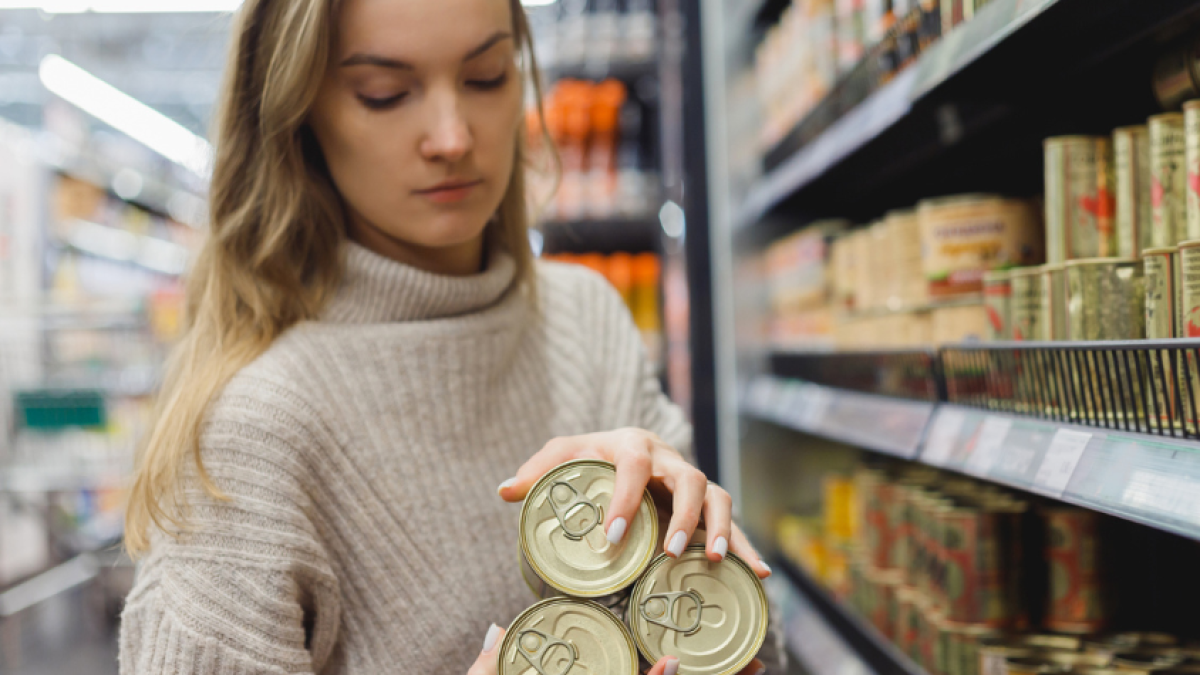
{"x":639,"y":235}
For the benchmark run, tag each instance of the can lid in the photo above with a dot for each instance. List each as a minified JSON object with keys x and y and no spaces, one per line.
{"x":1049,"y":641}
{"x":1162,"y":250}
{"x":1194,"y":104}
{"x":712,"y":616}
{"x":1135,"y":129}
{"x":1074,"y":659}
{"x":1052,"y":267}
{"x":1188,"y":244}
{"x":952,"y":200}
{"x":566,"y":630}
{"x":1071,"y":138}
{"x":1032,"y":665}
{"x":1171,"y":117}
{"x":1085,"y":262}
{"x":562,"y":531}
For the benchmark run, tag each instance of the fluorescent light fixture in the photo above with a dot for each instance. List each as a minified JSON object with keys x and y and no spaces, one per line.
{"x":126,"y":114}
{"x":123,"y":6}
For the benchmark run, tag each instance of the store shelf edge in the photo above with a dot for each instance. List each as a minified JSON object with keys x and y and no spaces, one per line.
{"x":864,"y":639}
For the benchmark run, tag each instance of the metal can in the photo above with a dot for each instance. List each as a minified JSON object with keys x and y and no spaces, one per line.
{"x":1168,"y":179}
{"x":560,"y":634}
{"x":1027,"y":299}
{"x":994,"y":652}
{"x":1053,"y":320}
{"x":1106,"y":299}
{"x":1074,"y":660}
{"x":1191,"y":155}
{"x":908,"y":622}
{"x":964,"y":236}
{"x":1051,"y":642}
{"x":1148,"y":661}
{"x":711,"y":616}
{"x":1134,"y":217}
{"x":1159,"y":271}
{"x":1031,"y":665}
{"x":973,"y":588}
{"x":961,"y":651}
{"x":1175,"y":76}
{"x":1072,"y":551}
{"x":1073,"y":199}
{"x":1188,"y":320}
{"x":562,"y":538}
{"x":997,"y":297}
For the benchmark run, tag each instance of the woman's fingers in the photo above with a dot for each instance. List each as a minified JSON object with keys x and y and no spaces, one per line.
{"x":667,"y":665}
{"x":688,"y":487}
{"x":485,"y":663}
{"x":633,"y":464}
{"x":550,"y":456}
{"x":756,"y":667}
{"x":741,"y":546}
{"x":718,"y":521}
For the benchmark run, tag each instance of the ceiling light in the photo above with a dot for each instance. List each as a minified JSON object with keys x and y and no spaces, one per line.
{"x":126,"y":114}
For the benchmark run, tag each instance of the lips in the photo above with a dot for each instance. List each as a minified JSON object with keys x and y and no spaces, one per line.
{"x":449,"y":186}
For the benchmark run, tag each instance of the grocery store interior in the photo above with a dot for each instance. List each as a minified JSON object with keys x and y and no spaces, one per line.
{"x":924,"y":275}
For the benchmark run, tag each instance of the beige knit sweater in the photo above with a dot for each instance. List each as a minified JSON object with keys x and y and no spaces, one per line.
{"x":362,"y":454}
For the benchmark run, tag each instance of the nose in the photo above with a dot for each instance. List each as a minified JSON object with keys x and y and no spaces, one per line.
{"x":448,"y":136}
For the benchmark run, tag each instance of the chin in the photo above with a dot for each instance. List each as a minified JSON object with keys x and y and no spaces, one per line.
{"x":449,"y":229}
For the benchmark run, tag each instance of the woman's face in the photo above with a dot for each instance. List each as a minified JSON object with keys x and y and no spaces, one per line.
{"x":417,"y":118}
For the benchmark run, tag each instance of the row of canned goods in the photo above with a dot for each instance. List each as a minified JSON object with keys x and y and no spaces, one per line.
{"x":1155,"y":297}
{"x":969,"y":579}
{"x":606,"y":606}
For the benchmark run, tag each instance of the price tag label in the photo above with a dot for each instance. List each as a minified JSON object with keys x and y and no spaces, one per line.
{"x":943,"y":437}
{"x":817,"y":401}
{"x":1061,"y":459}
{"x":988,"y":445}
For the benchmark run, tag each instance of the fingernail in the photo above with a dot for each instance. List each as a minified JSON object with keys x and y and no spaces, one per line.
{"x":765,"y":567}
{"x":761,"y":671}
{"x":505,"y":485}
{"x":672,"y":667}
{"x":721,"y":547}
{"x":678,"y":541}
{"x":489,"y":642}
{"x":616,"y":531}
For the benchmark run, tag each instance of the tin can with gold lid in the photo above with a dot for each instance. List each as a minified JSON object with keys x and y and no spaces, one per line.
{"x":711,"y":616}
{"x":562,"y":541}
{"x":563,"y":636}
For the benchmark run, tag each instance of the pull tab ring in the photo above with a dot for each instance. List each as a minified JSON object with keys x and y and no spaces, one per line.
{"x":535,"y":654}
{"x":563,"y":508}
{"x":670,"y":600}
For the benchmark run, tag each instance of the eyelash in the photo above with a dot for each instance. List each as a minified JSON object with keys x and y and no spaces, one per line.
{"x":385,"y":103}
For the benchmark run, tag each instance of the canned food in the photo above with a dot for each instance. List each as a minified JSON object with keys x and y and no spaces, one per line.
{"x":1189,"y":290}
{"x":908,"y":623}
{"x":971,"y":575}
{"x":1073,"y":200}
{"x":965,"y":236}
{"x":1053,"y":320}
{"x":1110,"y":645}
{"x":1106,"y":299}
{"x":1191,"y":170}
{"x":1168,"y":179}
{"x":1032,"y":665}
{"x":1047,"y":641}
{"x":1080,"y":659}
{"x":1151,"y":640}
{"x":995,"y":652}
{"x":961,"y":651}
{"x":1159,"y":272}
{"x":560,"y":634}
{"x":562,"y":538}
{"x":1134,"y":217}
{"x":997,"y":297}
{"x":1027,"y":297}
{"x":838,"y":497}
{"x":1175,"y":76}
{"x":711,"y":616}
{"x":1072,"y":551}
{"x":1146,"y":661}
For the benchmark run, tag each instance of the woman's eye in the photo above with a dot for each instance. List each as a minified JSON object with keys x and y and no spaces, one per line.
{"x":494,"y":83}
{"x":381,"y":103}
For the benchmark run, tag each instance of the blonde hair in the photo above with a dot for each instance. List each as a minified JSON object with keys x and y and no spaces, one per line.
{"x":277,"y":224}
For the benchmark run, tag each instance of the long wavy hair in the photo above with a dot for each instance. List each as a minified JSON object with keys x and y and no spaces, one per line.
{"x":272,"y":256}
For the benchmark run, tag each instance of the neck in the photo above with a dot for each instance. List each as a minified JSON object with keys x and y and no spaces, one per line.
{"x":457,"y":260}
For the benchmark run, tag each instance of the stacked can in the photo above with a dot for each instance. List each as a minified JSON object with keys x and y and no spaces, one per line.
{"x":1076,"y":603}
{"x":591,"y":618}
{"x":1168,"y":179}
{"x":1079,"y":202}
{"x":1134,"y":216}
{"x":997,"y":298}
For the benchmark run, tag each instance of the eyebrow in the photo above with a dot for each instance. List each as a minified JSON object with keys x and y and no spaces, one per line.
{"x":385,"y":62}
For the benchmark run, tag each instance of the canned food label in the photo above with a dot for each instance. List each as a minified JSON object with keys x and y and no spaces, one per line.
{"x":1131,"y":148}
{"x":1160,"y":296}
{"x":1027,"y":307}
{"x":1072,"y":200}
{"x":962,"y":240}
{"x":1189,"y":273}
{"x":1192,"y":157}
{"x":1074,"y":561}
{"x":997,"y":298}
{"x":1168,"y":181}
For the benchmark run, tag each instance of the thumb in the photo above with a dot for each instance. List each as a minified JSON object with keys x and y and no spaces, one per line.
{"x":667,"y":665}
{"x":486,"y":663}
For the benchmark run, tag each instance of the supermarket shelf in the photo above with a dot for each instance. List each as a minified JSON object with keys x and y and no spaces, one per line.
{"x":884,"y":424}
{"x":597,"y":70}
{"x":1148,"y":479}
{"x":828,"y":636}
{"x":1019,"y":71}
{"x":633,"y":235}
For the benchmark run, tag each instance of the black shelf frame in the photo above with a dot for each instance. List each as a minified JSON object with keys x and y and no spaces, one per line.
{"x":629,"y":235}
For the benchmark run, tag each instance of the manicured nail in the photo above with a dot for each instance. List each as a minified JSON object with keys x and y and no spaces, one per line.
{"x":489,"y":642}
{"x":761,"y":671}
{"x":616,"y":531}
{"x":672,"y":667}
{"x":765,"y":567}
{"x":721,"y":547}
{"x":505,"y":485}
{"x":675,"y":548}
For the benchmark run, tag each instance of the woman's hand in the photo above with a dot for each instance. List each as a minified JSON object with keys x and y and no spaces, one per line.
{"x":644,"y":460}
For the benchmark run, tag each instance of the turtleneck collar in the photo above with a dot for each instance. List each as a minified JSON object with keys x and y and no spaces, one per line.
{"x":376,"y":289}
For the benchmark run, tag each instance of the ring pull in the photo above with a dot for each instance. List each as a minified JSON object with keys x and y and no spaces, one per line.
{"x":534,"y":645}
{"x":664,"y":609}
{"x":564,"y":504}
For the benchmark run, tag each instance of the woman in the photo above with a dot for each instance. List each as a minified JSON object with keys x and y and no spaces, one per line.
{"x":370,"y":350}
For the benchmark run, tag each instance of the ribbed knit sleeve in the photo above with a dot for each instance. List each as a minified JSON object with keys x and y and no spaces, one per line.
{"x":633,"y":395}
{"x":249,"y":590}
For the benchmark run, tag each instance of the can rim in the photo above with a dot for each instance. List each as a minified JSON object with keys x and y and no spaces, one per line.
{"x":663,"y":559}
{"x":523,"y":543}
{"x":1083,"y":262}
{"x":542,"y":604}
{"x":1193,"y":243}
{"x":1024,"y":271}
{"x":1193,"y":104}
{"x":1162,"y":250}
{"x":1051,"y":267}
{"x":1132,"y":129}
{"x":1164,"y":117}
{"x":1058,"y":140}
